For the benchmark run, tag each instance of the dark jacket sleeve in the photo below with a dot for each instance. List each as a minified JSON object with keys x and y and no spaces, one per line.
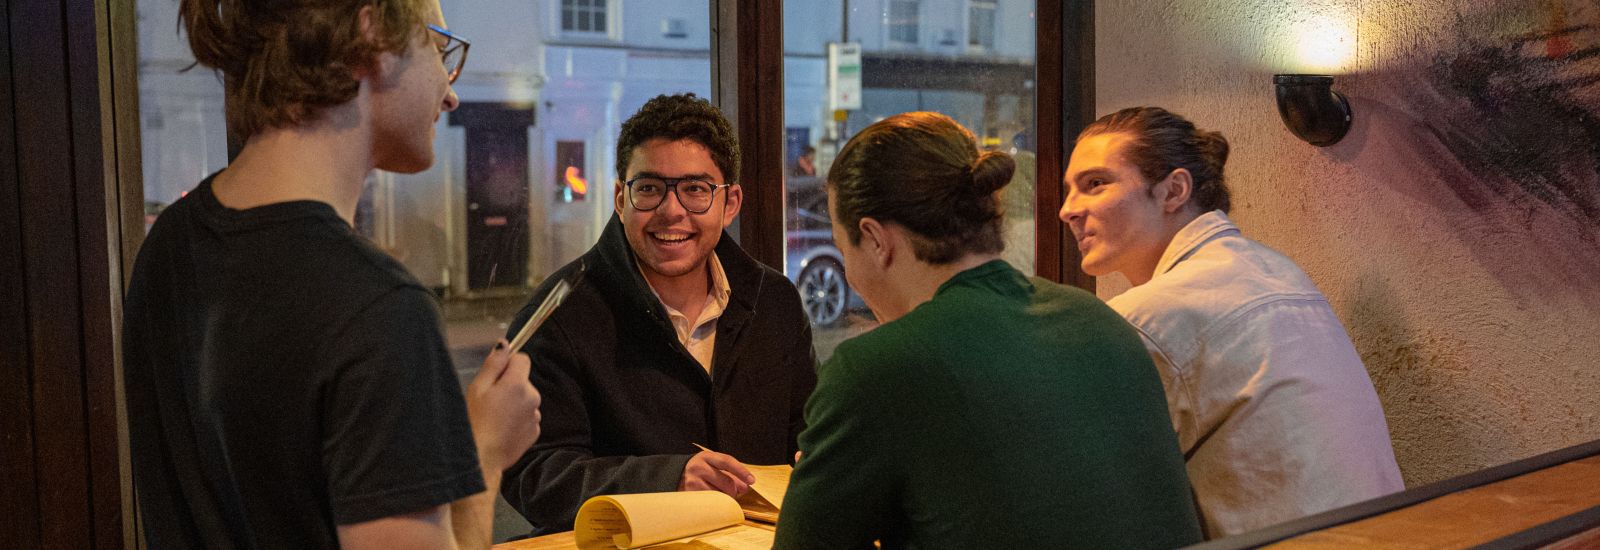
{"x":560,"y":471}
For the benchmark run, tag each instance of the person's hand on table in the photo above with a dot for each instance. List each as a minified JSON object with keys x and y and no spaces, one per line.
{"x":713,"y":471}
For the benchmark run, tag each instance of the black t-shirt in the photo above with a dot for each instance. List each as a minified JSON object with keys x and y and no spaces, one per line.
{"x":283,"y":377}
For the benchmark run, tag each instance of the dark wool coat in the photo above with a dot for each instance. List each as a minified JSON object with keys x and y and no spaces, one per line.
{"x":625,"y":402}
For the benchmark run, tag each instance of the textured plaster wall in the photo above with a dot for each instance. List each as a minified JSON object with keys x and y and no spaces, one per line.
{"x":1453,"y":230}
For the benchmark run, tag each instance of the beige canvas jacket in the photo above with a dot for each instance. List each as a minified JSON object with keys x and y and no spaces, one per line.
{"x":1275,"y":413}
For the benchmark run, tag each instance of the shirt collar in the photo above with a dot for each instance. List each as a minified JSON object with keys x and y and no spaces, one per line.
{"x":1196,"y":233}
{"x":1001,"y":271}
{"x":720,"y":289}
{"x":719,"y":293}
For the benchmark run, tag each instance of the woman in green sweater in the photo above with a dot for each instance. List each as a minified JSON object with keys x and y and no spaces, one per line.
{"x":990,"y":410}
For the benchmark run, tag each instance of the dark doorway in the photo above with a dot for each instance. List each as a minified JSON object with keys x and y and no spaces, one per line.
{"x":497,"y":193}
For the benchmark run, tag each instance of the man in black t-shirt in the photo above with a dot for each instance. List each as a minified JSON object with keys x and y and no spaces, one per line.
{"x":288,"y":385}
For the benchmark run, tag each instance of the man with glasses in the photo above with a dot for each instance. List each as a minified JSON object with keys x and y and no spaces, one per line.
{"x":674,"y":337}
{"x":288,"y":384}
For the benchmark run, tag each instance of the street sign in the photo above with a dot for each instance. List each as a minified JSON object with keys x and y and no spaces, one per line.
{"x":844,"y":76}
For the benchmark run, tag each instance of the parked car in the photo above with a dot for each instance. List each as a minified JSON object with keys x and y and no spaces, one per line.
{"x":813,"y":261}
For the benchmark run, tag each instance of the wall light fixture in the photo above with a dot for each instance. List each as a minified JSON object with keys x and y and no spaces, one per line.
{"x":1311,"y":109}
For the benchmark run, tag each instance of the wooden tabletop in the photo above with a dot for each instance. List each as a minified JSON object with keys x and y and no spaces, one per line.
{"x":565,"y":541}
{"x":1523,"y":499}
{"x":1471,"y":517}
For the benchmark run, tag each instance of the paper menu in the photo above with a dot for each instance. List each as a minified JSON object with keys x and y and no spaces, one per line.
{"x":765,"y":498}
{"x":693,"y":519}
{"x":738,"y":537}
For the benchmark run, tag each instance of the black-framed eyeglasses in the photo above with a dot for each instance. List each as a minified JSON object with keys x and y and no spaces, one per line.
{"x":453,"y":52}
{"x":647,"y":193}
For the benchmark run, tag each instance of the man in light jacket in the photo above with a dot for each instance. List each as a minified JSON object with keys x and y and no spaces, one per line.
{"x":1275,"y":413}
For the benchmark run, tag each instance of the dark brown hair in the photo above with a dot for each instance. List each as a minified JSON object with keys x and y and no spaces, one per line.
{"x":286,"y":60}
{"x":923,"y":171}
{"x":675,"y":117}
{"x":1161,"y":142}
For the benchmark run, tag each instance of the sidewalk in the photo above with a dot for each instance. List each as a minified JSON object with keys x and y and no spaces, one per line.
{"x":471,"y":327}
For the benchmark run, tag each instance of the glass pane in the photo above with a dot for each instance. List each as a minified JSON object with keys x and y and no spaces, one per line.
{"x":181,"y":121}
{"x":980,"y":30}
{"x":522,"y":178}
{"x":523,"y":172}
{"x":989,"y":91}
{"x":903,"y":21}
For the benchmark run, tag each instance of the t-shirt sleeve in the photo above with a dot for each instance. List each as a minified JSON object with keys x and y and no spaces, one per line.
{"x":395,"y":436}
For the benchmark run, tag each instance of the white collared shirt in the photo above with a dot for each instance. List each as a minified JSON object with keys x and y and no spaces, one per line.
{"x":1276,"y":415}
{"x":700,"y":337}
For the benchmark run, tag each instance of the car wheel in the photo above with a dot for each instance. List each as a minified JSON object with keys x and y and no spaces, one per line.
{"x":823,"y":291}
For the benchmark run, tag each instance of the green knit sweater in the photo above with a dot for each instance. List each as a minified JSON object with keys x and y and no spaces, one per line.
{"x":1003,"y":413}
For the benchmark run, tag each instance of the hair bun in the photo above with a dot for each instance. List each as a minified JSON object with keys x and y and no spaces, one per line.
{"x":992,"y":171}
{"x":1214,"y":147}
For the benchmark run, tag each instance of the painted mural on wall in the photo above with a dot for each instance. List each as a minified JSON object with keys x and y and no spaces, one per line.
{"x":1508,"y":118}
{"x":1516,"y":111}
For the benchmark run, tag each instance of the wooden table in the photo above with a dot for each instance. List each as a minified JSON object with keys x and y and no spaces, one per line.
{"x":565,"y":541}
{"x":1471,"y":517}
{"x":1548,"y":501}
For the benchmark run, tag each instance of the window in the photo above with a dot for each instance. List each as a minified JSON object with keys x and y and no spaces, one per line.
{"x":674,"y":27}
{"x":182,"y":126}
{"x":903,"y":16}
{"x":522,"y":178}
{"x":980,"y":25}
{"x":583,"y":16}
{"x":569,"y":178}
{"x":988,"y":91}
{"x":548,"y":107}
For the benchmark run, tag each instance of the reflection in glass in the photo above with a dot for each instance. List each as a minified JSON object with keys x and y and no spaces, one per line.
{"x":181,"y":121}
{"x":525,"y":170}
{"x":523,"y":179}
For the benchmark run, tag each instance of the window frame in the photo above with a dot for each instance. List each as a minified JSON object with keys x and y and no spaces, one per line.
{"x":76,"y":218}
{"x":610,"y":9}
{"x":749,"y":90}
{"x":891,"y":24}
{"x":973,"y":6}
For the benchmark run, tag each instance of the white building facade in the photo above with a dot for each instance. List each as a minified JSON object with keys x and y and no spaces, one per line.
{"x":546,"y":87}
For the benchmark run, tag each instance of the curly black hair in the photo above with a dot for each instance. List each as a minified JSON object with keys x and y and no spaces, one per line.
{"x":681,"y":116}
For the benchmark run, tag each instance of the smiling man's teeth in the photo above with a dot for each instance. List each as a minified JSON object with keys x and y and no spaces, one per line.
{"x":672,"y":237}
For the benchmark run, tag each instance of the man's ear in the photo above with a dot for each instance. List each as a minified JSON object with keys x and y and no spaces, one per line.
{"x":734,"y":202}
{"x":380,"y":63}
{"x":876,"y":242}
{"x":617,"y":200}
{"x":1173,"y":192}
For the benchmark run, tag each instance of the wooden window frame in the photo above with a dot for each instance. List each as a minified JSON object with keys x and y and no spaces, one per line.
{"x":749,"y":89}
{"x":71,"y":225}
{"x":71,"y":146}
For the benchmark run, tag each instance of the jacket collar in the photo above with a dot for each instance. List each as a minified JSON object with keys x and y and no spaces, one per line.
{"x":1199,"y":231}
